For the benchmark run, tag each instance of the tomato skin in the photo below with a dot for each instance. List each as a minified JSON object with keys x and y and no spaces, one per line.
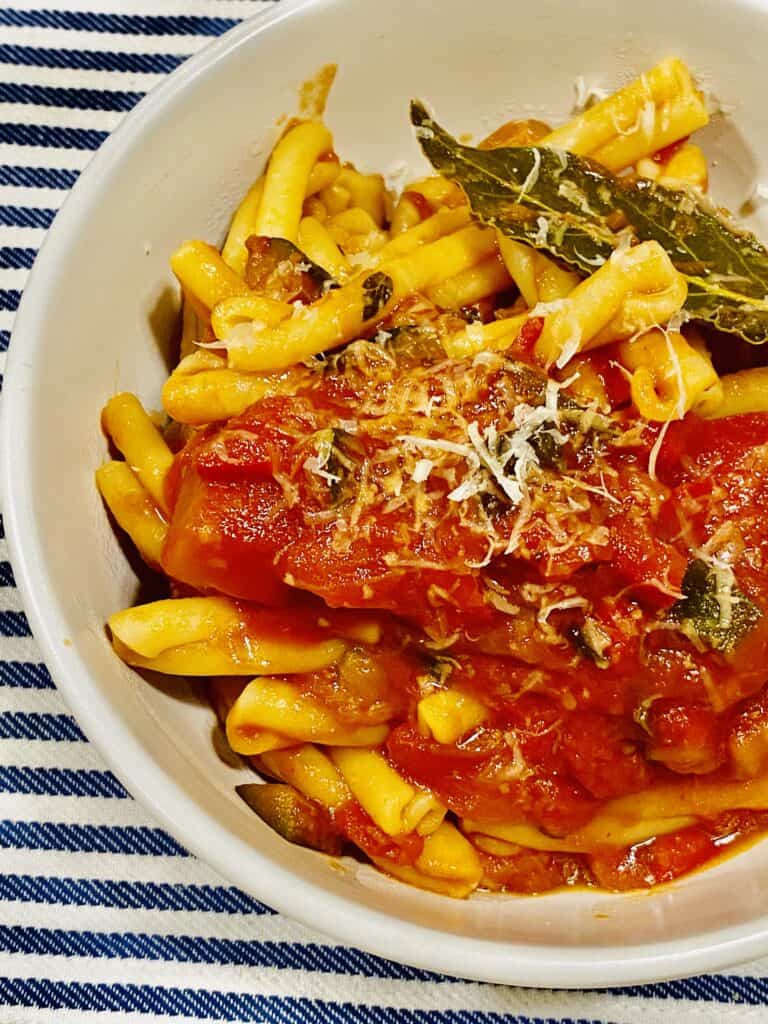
{"x":450,"y":771}
{"x":665,"y":154}
{"x":642,"y":560}
{"x":651,"y":863}
{"x":559,"y":805}
{"x":359,"y":827}
{"x":420,"y":202}
{"x":529,"y":334}
{"x":611,"y":376}
{"x":531,"y":871}
{"x":686,"y":738}
{"x":237,"y":457}
{"x":603,"y":754}
{"x":695,"y":449}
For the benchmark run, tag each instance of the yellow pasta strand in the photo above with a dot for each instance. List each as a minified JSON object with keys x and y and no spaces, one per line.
{"x":234,"y":252}
{"x":471,"y":285}
{"x":345,"y":313}
{"x":448,"y":854}
{"x":457,"y":890}
{"x":438,"y":191}
{"x":447,"y":715}
{"x":633,"y":291}
{"x":204,"y":276}
{"x":639,"y":816}
{"x":198,"y":394}
{"x":355,"y":230}
{"x":686,"y":168}
{"x":287,"y":177}
{"x":395,"y":805}
{"x":245,"y":221}
{"x":657,"y":109}
{"x":742,"y":392}
{"x":444,"y":222}
{"x":495,"y":336}
{"x":538,"y":278}
{"x":405,"y":216}
{"x":669,"y":375}
{"x":323,"y":174}
{"x":316,"y":243}
{"x":190,"y":328}
{"x":251,"y":308}
{"x":132,"y":506}
{"x":504,"y":840}
{"x":207,"y":636}
{"x":366,"y":191}
{"x":270,"y":706}
{"x":311,"y":772}
{"x":136,"y":436}
{"x":335,"y":199}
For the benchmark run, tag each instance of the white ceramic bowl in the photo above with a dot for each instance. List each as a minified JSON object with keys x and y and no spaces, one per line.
{"x":97,"y":317}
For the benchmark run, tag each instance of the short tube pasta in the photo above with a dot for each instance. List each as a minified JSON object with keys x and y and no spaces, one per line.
{"x":447,"y":715}
{"x":440,"y":224}
{"x":205,"y":277}
{"x":141,"y":443}
{"x":234,"y":252}
{"x":633,"y":291}
{"x":132,"y":506}
{"x":496,"y":336}
{"x":669,"y":375}
{"x":207,"y":636}
{"x":287,"y":177}
{"x":202,"y":390}
{"x":742,"y":392}
{"x":316,"y":242}
{"x":190,"y":328}
{"x":539,"y":278}
{"x":660,"y":107}
{"x":247,"y":309}
{"x":270,"y":706}
{"x":633,"y":819}
{"x":471,"y":285}
{"x":395,"y":805}
{"x":448,"y":864}
{"x":311,"y":771}
{"x":367,"y":192}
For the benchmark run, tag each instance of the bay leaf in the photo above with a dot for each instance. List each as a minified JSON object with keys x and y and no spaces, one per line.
{"x":571,"y":207}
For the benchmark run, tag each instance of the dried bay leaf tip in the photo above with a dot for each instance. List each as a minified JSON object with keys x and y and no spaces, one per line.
{"x":291,"y":815}
{"x":568,"y":206}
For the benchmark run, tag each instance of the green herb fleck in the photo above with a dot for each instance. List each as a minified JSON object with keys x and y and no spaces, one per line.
{"x":713,"y":607}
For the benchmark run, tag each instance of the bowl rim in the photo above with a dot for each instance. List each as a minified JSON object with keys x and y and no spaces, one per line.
{"x":343,"y":918}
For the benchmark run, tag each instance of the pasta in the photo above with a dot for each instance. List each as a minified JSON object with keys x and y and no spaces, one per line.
{"x":459,"y":496}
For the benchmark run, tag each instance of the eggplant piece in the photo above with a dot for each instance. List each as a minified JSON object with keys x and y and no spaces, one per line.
{"x":278,"y":269}
{"x":293,"y":816}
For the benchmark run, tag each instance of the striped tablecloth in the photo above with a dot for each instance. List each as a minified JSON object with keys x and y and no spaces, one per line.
{"x":103,"y":917}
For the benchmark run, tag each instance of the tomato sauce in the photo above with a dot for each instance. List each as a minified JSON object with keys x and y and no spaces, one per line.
{"x":611,"y":619}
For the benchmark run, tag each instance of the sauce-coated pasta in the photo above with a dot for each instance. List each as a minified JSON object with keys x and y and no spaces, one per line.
{"x":468,"y":544}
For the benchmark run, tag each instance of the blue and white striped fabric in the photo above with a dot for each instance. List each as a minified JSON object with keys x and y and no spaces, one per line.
{"x":103,"y":917}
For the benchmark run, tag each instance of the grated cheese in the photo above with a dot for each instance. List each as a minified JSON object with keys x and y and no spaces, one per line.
{"x":422,"y":470}
{"x":532,"y":176}
{"x":586,"y":96}
{"x":653,"y":457}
